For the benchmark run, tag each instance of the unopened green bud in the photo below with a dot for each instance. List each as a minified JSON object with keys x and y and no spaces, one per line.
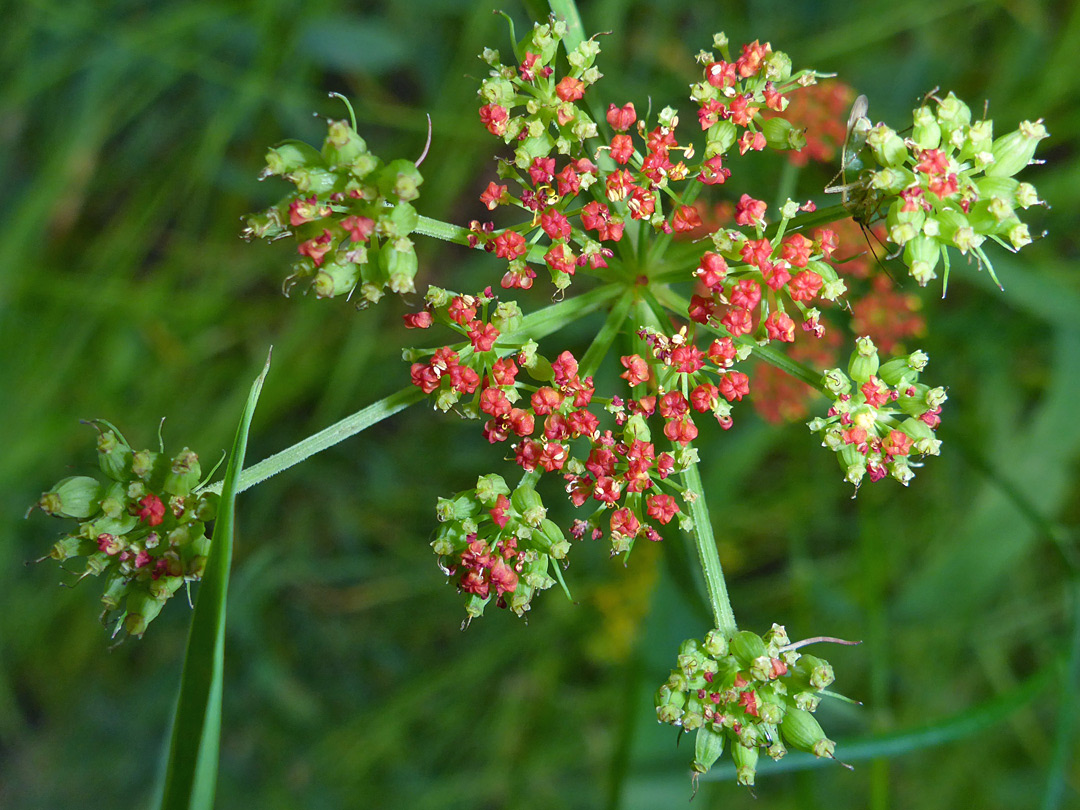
{"x":776,"y":67}
{"x":459,"y":507}
{"x":899,"y":368}
{"x":720,"y":137}
{"x":400,"y":267}
{"x":1014,"y":151}
{"x":77,"y":496}
{"x":1019,"y":235}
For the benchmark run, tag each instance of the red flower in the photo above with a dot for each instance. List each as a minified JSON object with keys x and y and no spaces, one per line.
{"x":151,"y":510}
{"x":570,"y":89}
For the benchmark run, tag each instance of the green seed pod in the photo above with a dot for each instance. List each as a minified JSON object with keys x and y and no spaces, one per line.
{"x":507,"y":317}
{"x":903,"y":368}
{"x":746,"y":760}
{"x":116,"y":588}
{"x":184,"y":473}
{"x":781,"y":134}
{"x":953,"y":115}
{"x":549,"y":538}
{"x":71,"y":546}
{"x":459,"y":507}
{"x":400,"y":266}
{"x":720,"y":137}
{"x":921,"y":255}
{"x":746,"y":647}
{"x":205,"y":507}
{"x":864,"y":360}
{"x":927,"y":131}
{"x":803,"y":732}
{"x":114,"y":456}
{"x":708,"y":746}
{"x":527,"y":503}
{"x":336,"y":278}
{"x":716,"y":644}
{"x":142,"y":609}
{"x":1014,"y":151}
{"x":836,"y":382}
{"x":817,"y":671}
{"x":77,"y":496}
{"x":313,"y":180}
{"x":290,"y":156}
{"x":888,"y":147}
{"x":143,"y":464}
{"x":342,"y":145}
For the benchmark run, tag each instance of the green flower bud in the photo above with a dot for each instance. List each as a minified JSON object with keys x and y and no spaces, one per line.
{"x":776,"y":66}
{"x":77,"y":496}
{"x":1014,"y":151}
{"x":1027,"y":196}
{"x":400,"y":267}
{"x":143,"y":464}
{"x":746,"y":760}
{"x":490,"y":487}
{"x":71,"y":546}
{"x":708,"y":746}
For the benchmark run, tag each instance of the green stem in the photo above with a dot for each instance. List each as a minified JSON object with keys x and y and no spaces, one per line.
{"x":326,"y":438}
{"x":723,"y":615}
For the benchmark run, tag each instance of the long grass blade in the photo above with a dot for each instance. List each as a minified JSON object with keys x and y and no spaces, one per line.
{"x":193,"y":753}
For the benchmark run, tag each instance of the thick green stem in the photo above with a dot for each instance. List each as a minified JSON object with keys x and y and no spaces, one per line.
{"x":723,"y":615}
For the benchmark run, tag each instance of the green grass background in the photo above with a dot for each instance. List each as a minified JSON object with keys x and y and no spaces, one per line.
{"x":130,"y":137}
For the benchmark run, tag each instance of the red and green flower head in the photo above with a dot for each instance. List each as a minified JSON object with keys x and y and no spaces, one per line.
{"x":143,"y":526}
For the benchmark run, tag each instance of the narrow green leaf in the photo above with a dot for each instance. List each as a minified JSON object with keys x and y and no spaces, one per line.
{"x":568,"y":11}
{"x":193,"y":752}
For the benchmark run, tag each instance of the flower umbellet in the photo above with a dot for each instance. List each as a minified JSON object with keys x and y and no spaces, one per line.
{"x":627,"y":212}
{"x":143,"y":527}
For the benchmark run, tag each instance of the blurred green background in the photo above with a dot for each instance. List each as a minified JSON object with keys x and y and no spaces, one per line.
{"x":131,"y":134}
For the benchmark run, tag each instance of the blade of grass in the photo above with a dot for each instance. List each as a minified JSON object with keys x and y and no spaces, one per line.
{"x":193,"y":752}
